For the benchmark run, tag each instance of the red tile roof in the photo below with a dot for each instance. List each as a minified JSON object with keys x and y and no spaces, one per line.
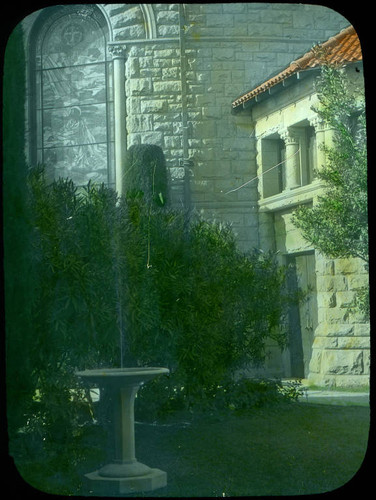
{"x":340,"y":49}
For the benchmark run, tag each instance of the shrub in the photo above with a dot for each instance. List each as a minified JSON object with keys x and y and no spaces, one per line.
{"x":214,"y":308}
{"x":145,"y":174}
{"x":163,"y":397}
{"x":124,"y":281}
{"x":126,"y":275}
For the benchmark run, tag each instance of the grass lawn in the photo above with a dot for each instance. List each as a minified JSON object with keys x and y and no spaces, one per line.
{"x":286,"y":449}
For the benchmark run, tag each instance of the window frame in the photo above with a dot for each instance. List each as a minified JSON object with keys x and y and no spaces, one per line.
{"x":44,"y":22}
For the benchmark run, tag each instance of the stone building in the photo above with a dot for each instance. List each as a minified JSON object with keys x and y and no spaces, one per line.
{"x":326,"y":346}
{"x":102,"y":77}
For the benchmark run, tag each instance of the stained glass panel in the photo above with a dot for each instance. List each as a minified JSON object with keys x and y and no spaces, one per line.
{"x":73,"y":107}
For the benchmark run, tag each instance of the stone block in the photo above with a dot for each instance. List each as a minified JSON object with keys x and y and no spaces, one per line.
{"x":242,"y":167}
{"x":219,"y":20}
{"x":331,"y":283}
{"x":154,"y":106}
{"x":172,"y":142}
{"x":358,"y":281}
{"x":163,"y":126}
{"x":145,"y":62}
{"x":167,"y":87}
{"x":348,"y":266}
{"x":353,"y":343}
{"x":204,"y":128}
{"x":334,"y":330}
{"x":340,"y":362}
{"x":170,"y":73}
{"x":168,"y":17}
{"x":225,"y":129}
{"x":326,"y":299}
{"x":133,"y":138}
{"x":133,"y":105}
{"x":220,"y":77}
{"x":315,"y":362}
{"x":223,"y":54}
{"x":136,"y":51}
{"x":130,"y":32}
{"x":177,"y":173}
{"x":140,"y":123}
{"x":164,"y":30}
{"x":133,"y":67}
{"x":140,"y":86}
{"x":325,"y":343}
{"x":165,"y":53}
{"x":131,"y":16}
{"x":344,"y":299}
{"x":247,"y":193}
{"x":152,"y":138}
{"x":352,"y":381}
{"x":362,"y":329}
{"x":238,"y":143}
{"x":165,"y":62}
{"x":152,"y":72}
{"x":203,"y":99}
{"x":321,"y":262}
{"x":260,"y":29}
{"x":337,"y":315}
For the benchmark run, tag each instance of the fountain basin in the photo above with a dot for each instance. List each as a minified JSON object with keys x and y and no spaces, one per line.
{"x":121,"y":376}
{"x":124,"y":474}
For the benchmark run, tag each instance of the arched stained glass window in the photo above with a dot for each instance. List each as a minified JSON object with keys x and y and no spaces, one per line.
{"x":73,"y":95}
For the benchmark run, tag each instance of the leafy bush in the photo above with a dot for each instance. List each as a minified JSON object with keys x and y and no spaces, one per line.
{"x":217,"y":306}
{"x":124,"y":281}
{"x":122,"y":273}
{"x":163,"y":396}
{"x":145,"y":174}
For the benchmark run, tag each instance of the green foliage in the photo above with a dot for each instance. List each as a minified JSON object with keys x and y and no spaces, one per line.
{"x":77,"y":300}
{"x":163,"y":396}
{"x":216,"y":307}
{"x":120,"y":273}
{"x":124,"y":281}
{"x":337,"y":225}
{"x":145,"y":174}
{"x":292,"y":390}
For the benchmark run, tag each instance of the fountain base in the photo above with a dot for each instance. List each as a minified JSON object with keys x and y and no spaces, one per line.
{"x":105,"y":486}
{"x":124,"y":474}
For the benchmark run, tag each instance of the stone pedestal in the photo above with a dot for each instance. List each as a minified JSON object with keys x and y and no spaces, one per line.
{"x":124,"y":474}
{"x":103,"y":486}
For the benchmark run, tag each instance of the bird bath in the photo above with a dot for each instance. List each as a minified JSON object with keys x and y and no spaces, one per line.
{"x":124,"y":474}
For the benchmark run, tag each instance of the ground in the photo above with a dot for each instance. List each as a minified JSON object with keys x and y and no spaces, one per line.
{"x":289,"y":450}
{"x":281,"y":449}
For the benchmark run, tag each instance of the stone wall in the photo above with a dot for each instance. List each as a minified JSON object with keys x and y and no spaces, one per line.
{"x":341,"y":347}
{"x":183,"y":68}
{"x":227,"y":48}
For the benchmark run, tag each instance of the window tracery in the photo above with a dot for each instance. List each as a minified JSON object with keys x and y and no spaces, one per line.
{"x":73,"y":96}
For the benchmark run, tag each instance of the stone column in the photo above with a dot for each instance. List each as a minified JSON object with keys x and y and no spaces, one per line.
{"x":118,"y":53}
{"x":320,"y":128}
{"x":292,"y":163}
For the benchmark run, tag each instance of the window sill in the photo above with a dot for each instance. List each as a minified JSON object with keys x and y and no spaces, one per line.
{"x":291,"y":197}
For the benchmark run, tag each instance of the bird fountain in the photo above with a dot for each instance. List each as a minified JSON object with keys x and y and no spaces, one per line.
{"x":124,"y":474}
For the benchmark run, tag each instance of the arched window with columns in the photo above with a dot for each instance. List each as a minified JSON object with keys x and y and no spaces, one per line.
{"x":71,"y":113}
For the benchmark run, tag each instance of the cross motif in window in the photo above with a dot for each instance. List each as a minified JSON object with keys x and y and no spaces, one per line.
{"x":72,"y":34}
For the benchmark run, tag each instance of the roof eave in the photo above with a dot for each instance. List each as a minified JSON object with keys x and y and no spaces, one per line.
{"x":274,"y":89}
